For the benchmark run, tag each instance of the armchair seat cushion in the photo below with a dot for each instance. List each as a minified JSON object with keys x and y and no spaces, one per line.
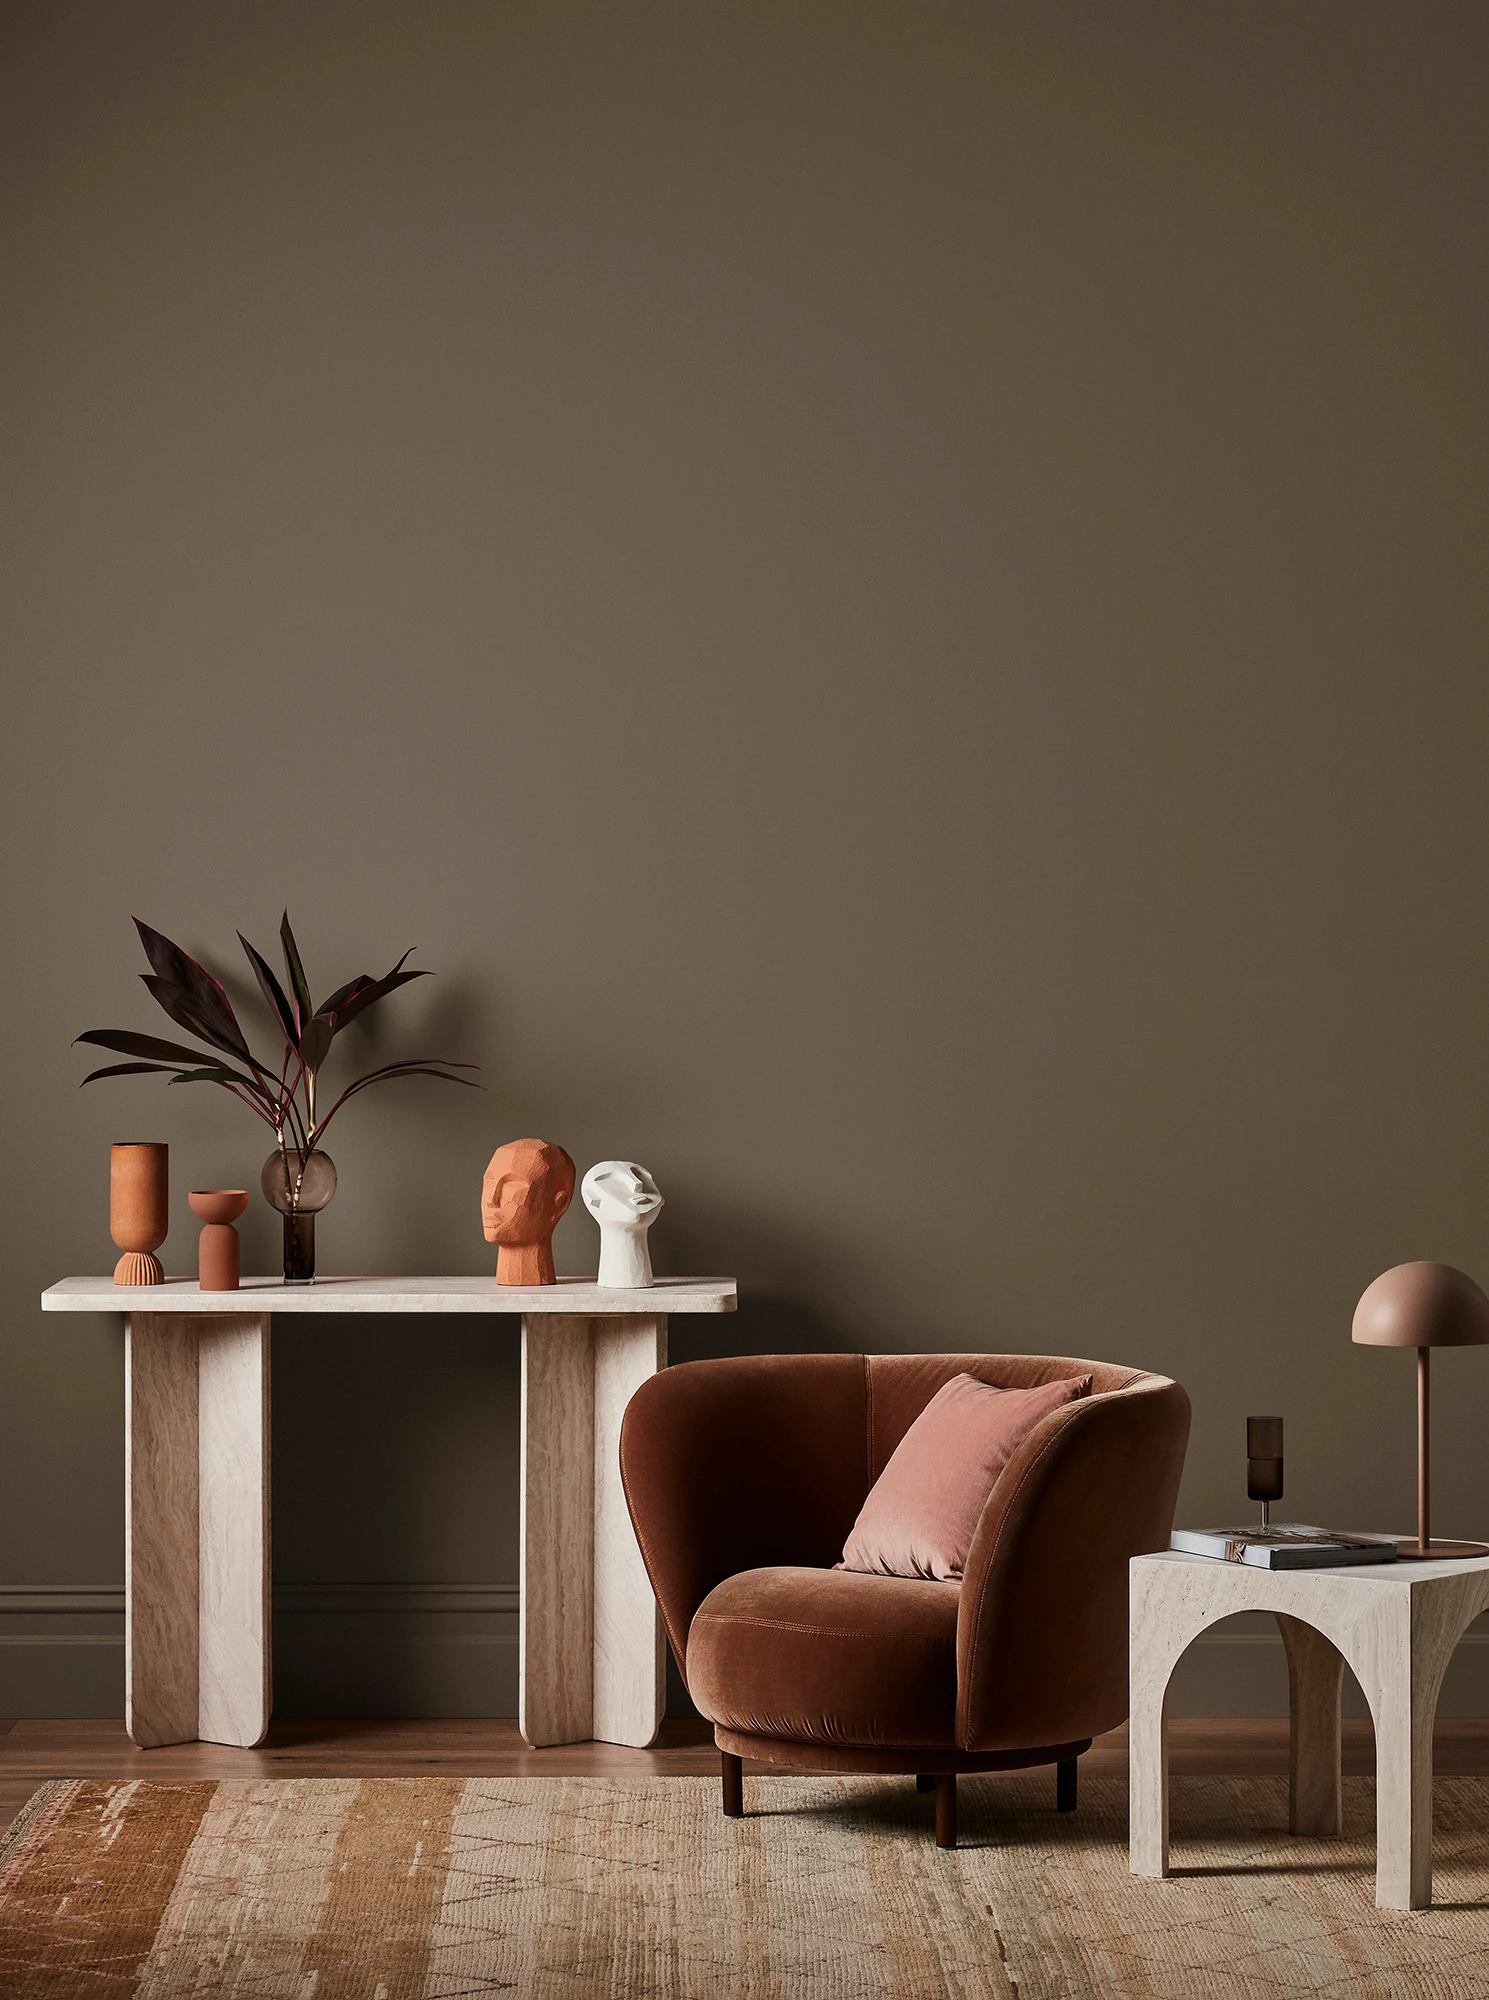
{"x":828,"y":1656}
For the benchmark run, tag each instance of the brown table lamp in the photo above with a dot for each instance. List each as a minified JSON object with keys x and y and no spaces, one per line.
{"x":1424,"y":1306}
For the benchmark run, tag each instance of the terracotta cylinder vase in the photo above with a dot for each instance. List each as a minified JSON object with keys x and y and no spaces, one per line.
{"x":218,"y":1254}
{"x":139,"y":1210}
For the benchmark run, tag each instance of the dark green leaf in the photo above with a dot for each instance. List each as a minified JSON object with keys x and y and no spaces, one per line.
{"x":298,"y":987}
{"x":422,"y":1066}
{"x":130,"y":1044}
{"x":128,"y":1069}
{"x":407,"y":1069}
{"x":183,"y":1010}
{"x":180,"y":1008}
{"x":315,"y":1043}
{"x":229,"y":1083}
{"x":369,"y":995}
{"x":354,"y":990}
{"x":179,"y":968}
{"x":171,"y":1054}
{"x":272,"y":991}
{"x":344,"y":993}
{"x":435,"y":1064}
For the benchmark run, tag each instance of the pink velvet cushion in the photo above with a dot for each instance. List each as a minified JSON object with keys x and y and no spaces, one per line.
{"x":922,"y":1510}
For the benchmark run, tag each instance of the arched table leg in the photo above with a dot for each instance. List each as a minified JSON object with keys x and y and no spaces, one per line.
{"x":1162,"y":1626}
{"x":1394,"y":1624}
{"x":1147,"y":1780}
{"x":1400,"y":1659}
{"x":1401,"y":1679}
{"x":1315,"y":1676}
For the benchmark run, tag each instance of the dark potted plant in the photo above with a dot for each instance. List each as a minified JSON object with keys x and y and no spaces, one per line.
{"x":298,"y":1177}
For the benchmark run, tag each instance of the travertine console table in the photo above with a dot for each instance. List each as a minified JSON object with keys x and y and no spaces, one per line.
{"x":196,"y":1621}
{"x":1395,"y":1623}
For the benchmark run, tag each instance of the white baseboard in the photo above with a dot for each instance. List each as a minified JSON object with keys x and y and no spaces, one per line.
{"x":450,"y":1649}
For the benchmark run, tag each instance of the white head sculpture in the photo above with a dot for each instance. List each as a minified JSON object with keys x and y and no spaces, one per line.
{"x":623,"y":1199}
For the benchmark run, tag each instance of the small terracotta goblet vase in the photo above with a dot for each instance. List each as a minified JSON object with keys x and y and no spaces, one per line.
{"x":218,"y":1253}
{"x":139,"y":1212}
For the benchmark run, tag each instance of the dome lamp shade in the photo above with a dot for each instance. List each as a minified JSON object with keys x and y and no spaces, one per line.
{"x":1424,"y":1305}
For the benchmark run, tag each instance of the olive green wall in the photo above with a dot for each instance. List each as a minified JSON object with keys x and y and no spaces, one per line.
{"x":894,"y":596}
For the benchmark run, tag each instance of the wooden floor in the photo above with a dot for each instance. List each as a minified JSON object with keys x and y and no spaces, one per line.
{"x":32,"y":1752}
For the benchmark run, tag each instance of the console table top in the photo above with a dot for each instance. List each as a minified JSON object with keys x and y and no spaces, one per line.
{"x":580,"y":1296}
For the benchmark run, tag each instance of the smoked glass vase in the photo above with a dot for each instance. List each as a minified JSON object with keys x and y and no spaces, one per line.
{"x":299,"y":1188}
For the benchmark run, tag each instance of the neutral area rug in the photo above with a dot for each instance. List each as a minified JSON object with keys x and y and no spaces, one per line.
{"x":386,"y":1889}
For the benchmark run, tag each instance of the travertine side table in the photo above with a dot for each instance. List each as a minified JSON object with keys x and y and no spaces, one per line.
{"x":196,"y":1416}
{"x":1395,"y":1623}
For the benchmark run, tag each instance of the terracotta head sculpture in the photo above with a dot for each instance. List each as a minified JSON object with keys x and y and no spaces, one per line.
{"x":527,"y":1187}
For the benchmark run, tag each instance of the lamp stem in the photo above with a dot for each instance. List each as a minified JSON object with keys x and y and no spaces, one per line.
{"x":1424,"y":1391}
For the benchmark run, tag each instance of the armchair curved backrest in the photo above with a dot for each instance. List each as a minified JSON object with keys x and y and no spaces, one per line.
{"x":743,"y":1463}
{"x":762,"y":1461}
{"x":1042,"y":1625}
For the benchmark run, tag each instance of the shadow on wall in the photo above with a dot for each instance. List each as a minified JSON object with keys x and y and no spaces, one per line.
{"x":784,"y":1275}
{"x":762,"y":1325}
{"x":396,"y":1465}
{"x":397,"y":1443}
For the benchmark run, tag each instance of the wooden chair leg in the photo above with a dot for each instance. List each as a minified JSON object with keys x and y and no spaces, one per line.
{"x":945,"y":1808}
{"x":925,"y":1782}
{"x":733,"y":1785}
{"x":1065,"y":1785}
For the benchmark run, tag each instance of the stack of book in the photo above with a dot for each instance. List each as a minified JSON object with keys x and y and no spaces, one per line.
{"x":1286,"y":1545}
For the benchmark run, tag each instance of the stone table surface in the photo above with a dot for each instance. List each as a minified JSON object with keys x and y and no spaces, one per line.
{"x":579,"y":1296}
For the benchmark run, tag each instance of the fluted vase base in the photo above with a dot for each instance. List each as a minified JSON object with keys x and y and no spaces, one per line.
{"x":139,"y":1267}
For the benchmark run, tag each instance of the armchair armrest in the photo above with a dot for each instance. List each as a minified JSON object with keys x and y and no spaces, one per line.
{"x":1042,"y":1626}
{"x":741,"y":1464}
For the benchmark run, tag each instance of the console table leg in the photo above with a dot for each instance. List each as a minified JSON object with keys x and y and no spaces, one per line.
{"x":197,"y":1629}
{"x":630,"y":1684}
{"x":555,"y":1672}
{"x":1315,"y":1675}
{"x":235,"y":1650}
{"x":160,"y":1529}
{"x":591,"y":1659}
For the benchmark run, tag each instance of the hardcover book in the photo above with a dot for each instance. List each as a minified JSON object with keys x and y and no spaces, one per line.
{"x":1285,"y":1545}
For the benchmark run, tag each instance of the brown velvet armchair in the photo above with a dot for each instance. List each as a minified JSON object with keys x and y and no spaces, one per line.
{"x":743,"y":1478}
